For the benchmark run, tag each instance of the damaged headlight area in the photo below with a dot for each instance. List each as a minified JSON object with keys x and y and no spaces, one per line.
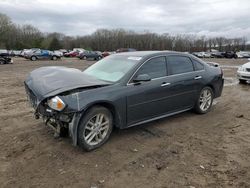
{"x":53,"y":113}
{"x":56,"y":103}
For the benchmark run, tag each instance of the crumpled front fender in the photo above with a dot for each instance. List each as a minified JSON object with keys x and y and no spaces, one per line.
{"x":73,"y":127}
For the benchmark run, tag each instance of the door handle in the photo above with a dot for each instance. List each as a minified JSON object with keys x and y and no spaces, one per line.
{"x":198,"y":77}
{"x":165,"y":84}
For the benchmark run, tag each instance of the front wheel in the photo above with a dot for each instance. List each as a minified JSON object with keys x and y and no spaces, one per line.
{"x":204,"y":101}
{"x":33,"y":58}
{"x":95,"y":128}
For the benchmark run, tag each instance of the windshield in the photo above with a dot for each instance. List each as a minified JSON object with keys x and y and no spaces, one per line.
{"x":112,"y":68}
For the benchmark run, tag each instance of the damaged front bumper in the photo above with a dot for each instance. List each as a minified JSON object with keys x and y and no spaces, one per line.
{"x":61,"y":123}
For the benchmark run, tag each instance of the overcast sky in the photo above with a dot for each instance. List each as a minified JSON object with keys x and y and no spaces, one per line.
{"x":230,"y":18}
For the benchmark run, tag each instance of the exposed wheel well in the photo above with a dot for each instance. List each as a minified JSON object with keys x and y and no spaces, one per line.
{"x":107,"y":105}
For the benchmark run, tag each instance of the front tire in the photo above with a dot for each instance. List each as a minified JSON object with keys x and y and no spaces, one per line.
{"x":95,"y":128}
{"x":204,"y":101}
{"x":33,"y":58}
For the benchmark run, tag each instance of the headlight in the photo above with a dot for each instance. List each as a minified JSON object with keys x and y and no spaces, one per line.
{"x":56,"y":103}
{"x":242,"y":69}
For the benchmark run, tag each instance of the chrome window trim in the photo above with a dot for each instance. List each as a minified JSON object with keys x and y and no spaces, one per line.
{"x":128,"y":83}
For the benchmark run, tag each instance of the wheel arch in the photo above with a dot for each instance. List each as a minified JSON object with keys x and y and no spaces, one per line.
{"x":212,"y":87}
{"x":33,"y":56}
{"x":106,"y":104}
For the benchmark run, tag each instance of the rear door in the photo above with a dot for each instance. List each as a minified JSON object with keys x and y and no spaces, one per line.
{"x":184,"y":80}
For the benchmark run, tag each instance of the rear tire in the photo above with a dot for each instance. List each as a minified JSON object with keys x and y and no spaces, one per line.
{"x":54,"y":58}
{"x":95,"y":128}
{"x":204,"y":101}
{"x":84,"y":57}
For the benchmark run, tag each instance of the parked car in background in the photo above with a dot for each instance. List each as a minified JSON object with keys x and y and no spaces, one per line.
{"x":42,"y":54}
{"x":27,"y":52}
{"x":125,"y":50}
{"x":243,"y":54}
{"x":105,"y":54}
{"x":5,"y":58}
{"x":73,"y":53}
{"x":243,"y":73}
{"x":4,"y":52}
{"x":23,"y":52}
{"x":90,"y":55}
{"x":58,"y":53}
{"x":63,"y":51}
{"x":217,"y":55}
{"x":79,"y":49}
{"x":196,"y":54}
{"x":121,"y":90}
{"x":206,"y":54}
{"x":202,"y":54}
{"x":229,"y":54}
{"x":15,"y":53}
{"x":98,"y":52}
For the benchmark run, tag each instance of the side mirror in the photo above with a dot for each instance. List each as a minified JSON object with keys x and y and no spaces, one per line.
{"x":142,"y":78}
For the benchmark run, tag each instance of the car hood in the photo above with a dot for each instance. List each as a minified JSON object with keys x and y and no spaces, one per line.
{"x":246,"y":65}
{"x":50,"y":81}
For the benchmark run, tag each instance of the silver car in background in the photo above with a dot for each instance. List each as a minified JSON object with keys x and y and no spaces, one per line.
{"x":243,"y":73}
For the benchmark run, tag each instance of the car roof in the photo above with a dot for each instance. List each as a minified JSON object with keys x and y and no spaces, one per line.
{"x":145,"y":54}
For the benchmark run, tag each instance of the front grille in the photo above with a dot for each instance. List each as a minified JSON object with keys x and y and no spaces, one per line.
{"x":248,"y":69}
{"x":31,"y":97}
{"x":247,"y":77}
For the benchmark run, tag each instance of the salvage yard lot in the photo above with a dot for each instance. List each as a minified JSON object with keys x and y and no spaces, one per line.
{"x":185,"y":150}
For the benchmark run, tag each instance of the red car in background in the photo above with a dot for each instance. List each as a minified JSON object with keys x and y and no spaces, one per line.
{"x":72,"y":54}
{"x":125,"y":50}
{"x":105,"y":54}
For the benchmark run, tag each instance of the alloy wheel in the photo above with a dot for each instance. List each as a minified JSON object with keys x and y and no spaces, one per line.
{"x":96,"y":129}
{"x":205,"y":99}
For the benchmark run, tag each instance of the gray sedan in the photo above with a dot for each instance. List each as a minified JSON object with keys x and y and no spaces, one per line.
{"x":122,"y":90}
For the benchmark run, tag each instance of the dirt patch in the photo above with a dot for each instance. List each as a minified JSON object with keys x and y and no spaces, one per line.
{"x":186,"y":150}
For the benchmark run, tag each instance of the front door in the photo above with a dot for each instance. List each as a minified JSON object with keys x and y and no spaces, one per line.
{"x":145,"y":100}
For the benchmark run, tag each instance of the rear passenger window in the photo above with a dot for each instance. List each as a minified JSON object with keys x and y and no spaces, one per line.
{"x":155,"y":68}
{"x":198,"y":65}
{"x":179,"y":64}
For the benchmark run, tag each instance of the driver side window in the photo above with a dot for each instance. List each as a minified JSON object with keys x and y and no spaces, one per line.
{"x":155,"y":68}
{"x":38,"y":52}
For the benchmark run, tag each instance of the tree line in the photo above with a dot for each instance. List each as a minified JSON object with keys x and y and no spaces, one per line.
{"x":18,"y":37}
